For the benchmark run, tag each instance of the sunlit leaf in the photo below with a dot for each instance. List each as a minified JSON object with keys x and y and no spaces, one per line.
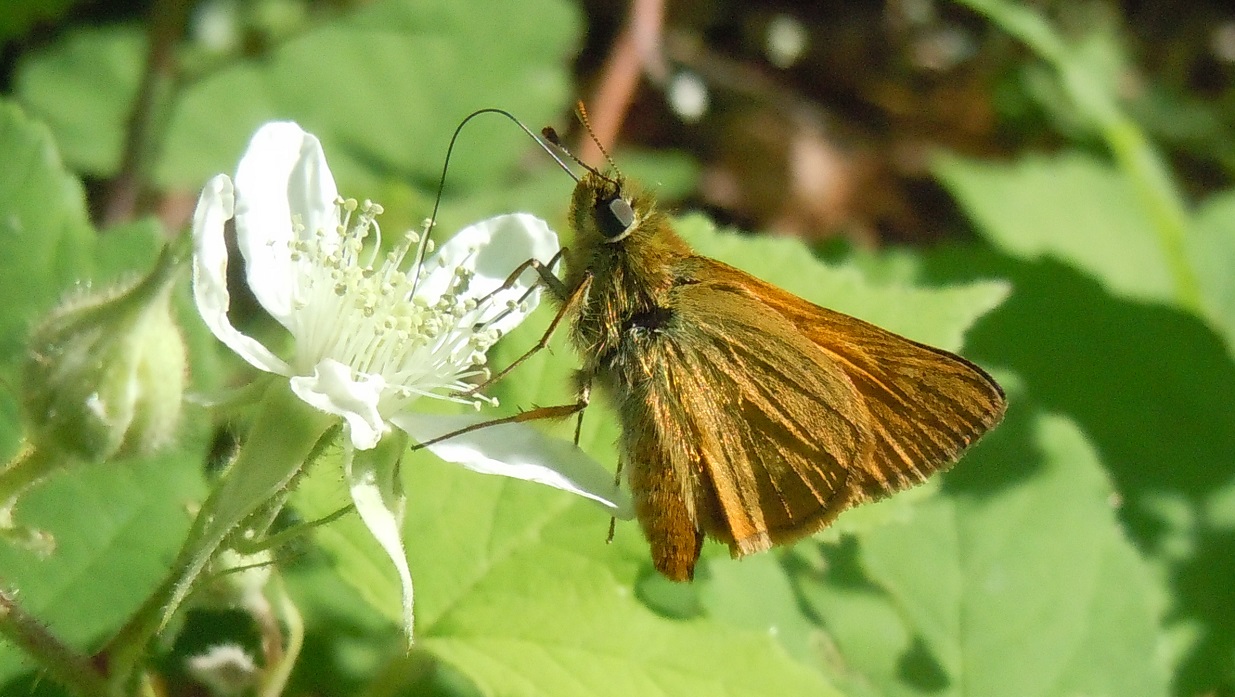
{"x":1019,"y":581}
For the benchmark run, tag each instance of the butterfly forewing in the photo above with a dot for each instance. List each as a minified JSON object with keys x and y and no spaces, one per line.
{"x":926,"y":405}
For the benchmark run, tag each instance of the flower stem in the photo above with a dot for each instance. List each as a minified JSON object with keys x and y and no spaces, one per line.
{"x":275,"y":681}
{"x":284,"y":435}
{"x":68,"y":667}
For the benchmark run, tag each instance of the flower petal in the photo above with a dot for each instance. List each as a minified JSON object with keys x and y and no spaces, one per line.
{"x":520,"y":451}
{"x":372,"y":477}
{"x":492,"y":249}
{"x":282,"y":174}
{"x":334,"y":389}
{"x":214,"y":209}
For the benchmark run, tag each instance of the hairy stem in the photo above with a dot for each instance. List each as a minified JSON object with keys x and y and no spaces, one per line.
{"x":71,"y":669}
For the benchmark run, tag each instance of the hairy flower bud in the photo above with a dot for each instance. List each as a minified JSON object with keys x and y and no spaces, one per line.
{"x":104,"y":374}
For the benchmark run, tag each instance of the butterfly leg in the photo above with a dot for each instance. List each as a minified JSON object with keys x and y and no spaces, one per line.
{"x":572,"y":300}
{"x":585,"y":396}
{"x":559,"y":411}
{"x":545,"y":271}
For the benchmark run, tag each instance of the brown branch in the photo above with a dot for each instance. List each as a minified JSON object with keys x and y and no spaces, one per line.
{"x":146,"y":121}
{"x":636,"y":50}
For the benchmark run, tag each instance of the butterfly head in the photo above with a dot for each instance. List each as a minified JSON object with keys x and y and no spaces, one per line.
{"x":604,"y":209}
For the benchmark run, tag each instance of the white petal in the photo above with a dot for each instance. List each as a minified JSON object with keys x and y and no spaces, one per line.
{"x":378,"y":495}
{"x":520,"y":451}
{"x":283,"y":173}
{"x":492,"y":249}
{"x":335,"y":390}
{"x":214,"y":209}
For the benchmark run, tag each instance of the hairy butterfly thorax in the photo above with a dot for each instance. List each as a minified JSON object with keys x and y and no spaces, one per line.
{"x":627,"y":249}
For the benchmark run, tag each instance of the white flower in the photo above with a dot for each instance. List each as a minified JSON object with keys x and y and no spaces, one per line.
{"x":372,"y":335}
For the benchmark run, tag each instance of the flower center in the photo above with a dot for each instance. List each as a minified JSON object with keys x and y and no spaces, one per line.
{"x":364,"y":310}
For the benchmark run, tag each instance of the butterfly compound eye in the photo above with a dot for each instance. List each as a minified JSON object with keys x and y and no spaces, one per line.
{"x":615,"y":218}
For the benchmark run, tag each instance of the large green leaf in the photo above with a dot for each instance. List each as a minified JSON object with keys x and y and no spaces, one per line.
{"x":1072,"y":207}
{"x":383,"y":86}
{"x":117,"y":527}
{"x":83,"y":87}
{"x":1019,"y":581}
{"x":45,"y":239}
{"x":1212,"y":253}
{"x":1147,"y":384}
{"x":1084,"y":212}
{"x":412,"y":69}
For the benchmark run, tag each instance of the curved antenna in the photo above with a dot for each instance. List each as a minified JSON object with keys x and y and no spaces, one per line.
{"x":441,"y":184}
{"x":549,"y":134}
{"x":422,"y":246}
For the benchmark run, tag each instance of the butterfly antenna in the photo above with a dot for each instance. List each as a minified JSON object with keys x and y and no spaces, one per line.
{"x":550,"y":135}
{"x":581,"y":112}
{"x":423,"y":244}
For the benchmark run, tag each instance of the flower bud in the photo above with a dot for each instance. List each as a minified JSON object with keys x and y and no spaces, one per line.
{"x":104,"y":374}
{"x":238,"y":581}
{"x":226,"y":669}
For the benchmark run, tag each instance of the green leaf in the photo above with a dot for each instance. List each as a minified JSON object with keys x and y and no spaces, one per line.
{"x":1147,"y":384}
{"x":935,"y":316}
{"x":17,"y":16}
{"x":516,"y":589}
{"x":1212,"y":252}
{"x":870,"y":639}
{"x":1020,"y":581}
{"x":116,"y":526}
{"x":384,"y":88}
{"x":124,"y":252}
{"x":756,"y":593}
{"x":1072,"y":207}
{"x":1086,"y":71}
{"x":83,"y":88}
{"x":45,"y":241}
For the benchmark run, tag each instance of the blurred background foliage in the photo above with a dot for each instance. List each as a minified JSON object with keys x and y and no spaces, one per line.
{"x":1047,"y":184}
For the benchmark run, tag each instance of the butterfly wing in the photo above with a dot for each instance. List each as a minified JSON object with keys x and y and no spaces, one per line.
{"x":756,"y":417}
{"x":926,"y":405}
{"x":735,"y":426}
